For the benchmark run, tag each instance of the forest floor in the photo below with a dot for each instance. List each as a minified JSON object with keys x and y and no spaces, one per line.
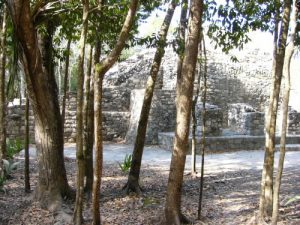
{"x":231,"y":190}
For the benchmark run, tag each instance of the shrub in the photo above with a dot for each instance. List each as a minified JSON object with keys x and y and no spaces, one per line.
{"x":9,"y":166}
{"x":13,"y":147}
{"x":125,"y":166}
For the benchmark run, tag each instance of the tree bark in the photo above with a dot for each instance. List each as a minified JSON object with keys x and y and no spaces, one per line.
{"x":2,"y":90}
{"x":194,"y":117}
{"x":88,"y":126}
{"x":98,"y":78}
{"x":42,"y":90}
{"x":80,"y":157}
{"x":26,"y":148}
{"x":134,"y":174}
{"x":66,"y":84}
{"x":100,"y":69}
{"x":181,"y":39}
{"x":266,"y":197}
{"x":203,"y":141}
{"x":285,"y":109}
{"x":183,"y":113}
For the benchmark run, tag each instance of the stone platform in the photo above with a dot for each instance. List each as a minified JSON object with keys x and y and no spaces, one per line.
{"x":220,"y":144}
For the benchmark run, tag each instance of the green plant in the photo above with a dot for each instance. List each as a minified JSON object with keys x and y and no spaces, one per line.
{"x":9,"y":166}
{"x":125,"y":166}
{"x":13,"y":147}
{"x":293,"y":199}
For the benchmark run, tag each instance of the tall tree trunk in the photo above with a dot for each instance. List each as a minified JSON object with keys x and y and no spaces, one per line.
{"x":88,"y":126}
{"x":194,"y":117}
{"x":183,"y":113}
{"x":2,"y":90}
{"x":134,"y":174}
{"x":100,"y":69}
{"x":66,"y":82}
{"x":285,"y":109}
{"x":266,"y":197}
{"x":203,"y":130}
{"x":26,"y":167}
{"x":98,"y":78}
{"x":79,"y":119}
{"x":59,"y":76}
{"x":181,"y":39}
{"x":268,"y":119}
{"x":42,"y":90}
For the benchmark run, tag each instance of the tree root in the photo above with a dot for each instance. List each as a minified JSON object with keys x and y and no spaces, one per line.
{"x":184,"y":219}
{"x":132,"y":188}
{"x":180,"y":219}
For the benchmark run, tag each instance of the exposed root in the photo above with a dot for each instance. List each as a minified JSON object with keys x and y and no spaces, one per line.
{"x":132,"y":188}
{"x":184,"y":219}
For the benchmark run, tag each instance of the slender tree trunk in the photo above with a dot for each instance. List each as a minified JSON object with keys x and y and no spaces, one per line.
{"x":100,"y":69}
{"x":88,"y":127}
{"x":203,"y":130}
{"x":66,"y":82}
{"x":98,"y":78}
{"x":42,"y":90}
{"x":285,"y":108}
{"x":26,"y":169}
{"x":268,"y":121}
{"x":194,"y":117}
{"x":2,"y":91}
{"x":181,"y":39}
{"x":79,"y":119}
{"x":184,"y":105}
{"x":59,"y":76}
{"x":266,"y":197}
{"x":134,"y":174}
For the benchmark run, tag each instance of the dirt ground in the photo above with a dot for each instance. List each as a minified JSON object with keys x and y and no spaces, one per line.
{"x":229,"y":198}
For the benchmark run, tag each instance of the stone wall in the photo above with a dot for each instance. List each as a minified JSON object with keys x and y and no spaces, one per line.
{"x":161,"y":118}
{"x":247,"y":80}
{"x":214,"y":119}
{"x":15,"y":122}
{"x":243,"y":119}
{"x":226,"y":143}
{"x":294,"y":122}
{"x":115,"y":106}
{"x":115,"y":116}
{"x":133,"y":72}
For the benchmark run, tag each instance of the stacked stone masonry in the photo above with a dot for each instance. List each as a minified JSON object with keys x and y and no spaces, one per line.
{"x":229,"y":84}
{"x":244,"y":119}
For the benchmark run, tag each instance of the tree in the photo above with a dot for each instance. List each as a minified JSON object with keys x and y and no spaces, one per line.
{"x":88,"y":128}
{"x":134,"y":174}
{"x":194,"y":117}
{"x":2,"y":90}
{"x":80,"y":157}
{"x":266,"y":197}
{"x":100,"y":69}
{"x":285,"y":105}
{"x":42,"y":90}
{"x":26,"y":148}
{"x":65,"y":88}
{"x":183,"y":113}
{"x":204,"y":94}
{"x":181,"y":40}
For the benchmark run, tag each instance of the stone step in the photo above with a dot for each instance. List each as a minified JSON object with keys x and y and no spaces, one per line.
{"x":220,"y":144}
{"x":289,"y":147}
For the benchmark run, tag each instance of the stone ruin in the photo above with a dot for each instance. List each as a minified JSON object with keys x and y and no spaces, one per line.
{"x":237,"y":97}
{"x":244,"y":119}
